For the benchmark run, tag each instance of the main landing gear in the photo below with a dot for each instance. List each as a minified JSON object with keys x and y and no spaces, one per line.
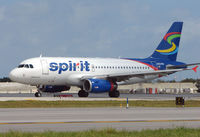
{"x":114,"y":94}
{"x":83,"y":93}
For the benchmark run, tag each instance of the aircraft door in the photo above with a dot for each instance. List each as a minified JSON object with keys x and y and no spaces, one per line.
{"x":45,"y":69}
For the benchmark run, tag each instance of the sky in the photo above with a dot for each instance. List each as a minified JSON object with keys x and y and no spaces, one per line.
{"x":95,"y":28}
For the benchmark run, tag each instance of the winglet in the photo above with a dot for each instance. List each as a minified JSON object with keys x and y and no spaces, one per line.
{"x":195,"y":68}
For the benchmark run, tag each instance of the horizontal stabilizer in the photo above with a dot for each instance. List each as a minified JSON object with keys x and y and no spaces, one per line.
{"x":182,"y":66}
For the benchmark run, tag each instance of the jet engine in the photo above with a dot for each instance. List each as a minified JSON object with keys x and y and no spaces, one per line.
{"x":99,"y":85}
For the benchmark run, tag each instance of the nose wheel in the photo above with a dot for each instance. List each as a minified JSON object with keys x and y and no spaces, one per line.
{"x":38,"y":94}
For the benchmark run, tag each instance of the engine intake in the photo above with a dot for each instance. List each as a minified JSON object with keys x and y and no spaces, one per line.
{"x":99,"y":85}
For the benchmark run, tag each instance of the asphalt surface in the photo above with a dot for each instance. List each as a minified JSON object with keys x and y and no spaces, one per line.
{"x":79,"y":119}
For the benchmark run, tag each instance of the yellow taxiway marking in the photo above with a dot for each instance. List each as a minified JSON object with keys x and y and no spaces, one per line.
{"x":81,"y":122}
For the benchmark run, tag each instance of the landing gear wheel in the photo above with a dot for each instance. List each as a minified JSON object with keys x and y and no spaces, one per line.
{"x":83,"y":93}
{"x":114,"y":94}
{"x":38,"y":94}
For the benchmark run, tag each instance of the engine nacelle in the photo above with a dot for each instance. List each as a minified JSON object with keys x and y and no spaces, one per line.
{"x":98,"y":85}
{"x":49,"y":88}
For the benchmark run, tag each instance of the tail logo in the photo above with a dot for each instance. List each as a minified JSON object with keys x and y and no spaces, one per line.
{"x":169,"y":37}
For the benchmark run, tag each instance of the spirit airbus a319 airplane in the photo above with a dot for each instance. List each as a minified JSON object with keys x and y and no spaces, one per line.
{"x":97,"y":75}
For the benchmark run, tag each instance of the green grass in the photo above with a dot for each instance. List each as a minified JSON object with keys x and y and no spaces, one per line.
{"x":65,"y":104}
{"x":177,"y":132}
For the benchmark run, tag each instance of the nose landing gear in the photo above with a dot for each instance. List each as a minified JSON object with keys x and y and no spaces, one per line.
{"x":38,"y":94}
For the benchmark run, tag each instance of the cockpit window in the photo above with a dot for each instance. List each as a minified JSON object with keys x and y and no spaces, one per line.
{"x":31,"y":66}
{"x":21,"y":66}
{"x":25,"y":66}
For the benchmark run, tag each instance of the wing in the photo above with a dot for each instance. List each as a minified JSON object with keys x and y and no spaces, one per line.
{"x":125,"y":76}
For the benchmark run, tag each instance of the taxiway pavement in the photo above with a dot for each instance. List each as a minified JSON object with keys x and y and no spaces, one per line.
{"x":78,"y":119}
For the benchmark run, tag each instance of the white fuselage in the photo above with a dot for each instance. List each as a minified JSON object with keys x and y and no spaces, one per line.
{"x":69,"y":71}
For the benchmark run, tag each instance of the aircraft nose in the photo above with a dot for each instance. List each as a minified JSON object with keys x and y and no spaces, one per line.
{"x":13,"y":75}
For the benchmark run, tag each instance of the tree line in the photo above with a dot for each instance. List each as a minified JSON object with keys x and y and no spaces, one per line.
{"x":5,"y":79}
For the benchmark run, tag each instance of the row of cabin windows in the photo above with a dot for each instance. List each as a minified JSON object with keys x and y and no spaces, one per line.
{"x":25,"y":66}
{"x":119,"y":67}
{"x":97,"y":67}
